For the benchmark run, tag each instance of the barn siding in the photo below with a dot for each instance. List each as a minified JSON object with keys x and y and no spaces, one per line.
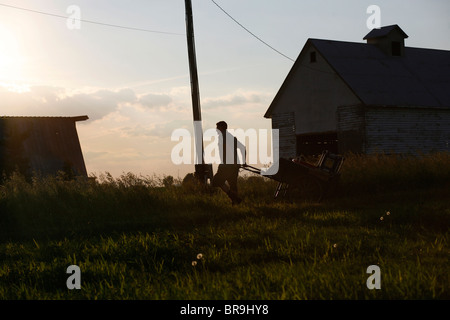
{"x":407,"y":130}
{"x":393,"y":129}
{"x":285,"y":123}
{"x":350,"y":129}
{"x":312,"y":91}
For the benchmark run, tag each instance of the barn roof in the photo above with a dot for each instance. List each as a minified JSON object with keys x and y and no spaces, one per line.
{"x":420,"y":78}
{"x":384,"y":31}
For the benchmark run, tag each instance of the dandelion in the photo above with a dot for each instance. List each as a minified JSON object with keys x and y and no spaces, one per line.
{"x":194,"y":263}
{"x":381,"y":218}
{"x":199,"y":256}
{"x":335,"y":245}
{"x":388,"y":213}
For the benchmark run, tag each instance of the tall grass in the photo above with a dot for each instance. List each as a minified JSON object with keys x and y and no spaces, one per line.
{"x":138,"y":237}
{"x":387,"y":173}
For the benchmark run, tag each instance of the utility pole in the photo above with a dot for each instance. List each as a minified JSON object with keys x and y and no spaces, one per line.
{"x":192,"y":62}
{"x":202,"y":170}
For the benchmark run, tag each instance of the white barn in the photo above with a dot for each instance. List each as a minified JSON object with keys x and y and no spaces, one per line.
{"x":378,"y":96}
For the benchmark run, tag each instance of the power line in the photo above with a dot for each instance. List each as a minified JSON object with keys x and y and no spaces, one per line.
{"x":304,"y":65}
{"x":251,"y":33}
{"x":151,"y":31}
{"x":90,"y":21}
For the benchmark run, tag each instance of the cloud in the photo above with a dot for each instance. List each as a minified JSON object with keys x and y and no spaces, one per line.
{"x":152,"y":100}
{"x":55,"y":101}
{"x":235,"y":99}
{"x":160,"y":129}
{"x":95,"y":103}
{"x":94,"y":155}
{"x":98,"y":104}
{"x":130,"y":131}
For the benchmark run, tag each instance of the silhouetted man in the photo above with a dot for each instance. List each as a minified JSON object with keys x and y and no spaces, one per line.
{"x":228,"y":169}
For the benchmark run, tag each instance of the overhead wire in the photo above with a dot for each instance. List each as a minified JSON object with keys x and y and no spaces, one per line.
{"x":265,"y":43}
{"x":91,"y":21}
{"x":251,"y":33}
{"x":156,"y":31}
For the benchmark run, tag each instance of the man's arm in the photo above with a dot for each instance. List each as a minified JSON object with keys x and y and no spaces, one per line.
{"x":243,"y":152}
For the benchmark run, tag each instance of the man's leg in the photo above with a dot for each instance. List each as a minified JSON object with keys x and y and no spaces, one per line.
{"x":220,"y":178}
{"x":230,"y":174}
{"x":232,"y":180}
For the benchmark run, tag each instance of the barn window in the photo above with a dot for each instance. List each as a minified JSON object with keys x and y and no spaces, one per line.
{"x":396,"y":48}
{"x":312,"y":57}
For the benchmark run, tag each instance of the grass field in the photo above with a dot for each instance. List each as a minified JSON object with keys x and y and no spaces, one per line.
{"x":135,"y":239}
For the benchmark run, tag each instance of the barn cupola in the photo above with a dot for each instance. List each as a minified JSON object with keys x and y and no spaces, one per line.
{"x":389,"y":39}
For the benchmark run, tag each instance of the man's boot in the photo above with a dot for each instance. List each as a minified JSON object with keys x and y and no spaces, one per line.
{"x":234,"y":197}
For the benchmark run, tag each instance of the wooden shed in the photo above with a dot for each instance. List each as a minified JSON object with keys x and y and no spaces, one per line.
{"x":41,"y":145}
{"x":378,"y":96}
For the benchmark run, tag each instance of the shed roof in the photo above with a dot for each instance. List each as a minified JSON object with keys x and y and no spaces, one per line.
{"x":76,"y":118}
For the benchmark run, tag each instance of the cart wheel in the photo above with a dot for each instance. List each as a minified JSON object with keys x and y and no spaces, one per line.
{"x":308,"y":189}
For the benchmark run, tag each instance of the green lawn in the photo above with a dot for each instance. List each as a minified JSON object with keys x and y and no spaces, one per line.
{"x":133,"y":239}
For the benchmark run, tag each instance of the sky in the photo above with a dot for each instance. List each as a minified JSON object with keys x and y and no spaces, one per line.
{"x":134,"y":85}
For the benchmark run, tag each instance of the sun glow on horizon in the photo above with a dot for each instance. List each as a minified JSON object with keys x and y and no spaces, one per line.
{"x":16,"y":87}
{"x":11,"y":61}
